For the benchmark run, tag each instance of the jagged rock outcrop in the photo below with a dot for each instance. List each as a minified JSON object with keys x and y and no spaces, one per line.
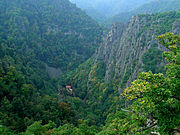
{"x":125,"y":48}
{"x":176,"y":27}
{"x":108,"y":50}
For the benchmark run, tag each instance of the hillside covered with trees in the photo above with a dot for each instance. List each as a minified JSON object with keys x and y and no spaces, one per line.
{"x":39,"y":36}
{"x":39,"y":41}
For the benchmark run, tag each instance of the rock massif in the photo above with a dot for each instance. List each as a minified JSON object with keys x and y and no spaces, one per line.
{"x":127,"y":50}
{"x":126,"y":47}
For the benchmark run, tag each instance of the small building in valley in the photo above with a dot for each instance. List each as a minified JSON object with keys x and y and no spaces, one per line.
{"x":69,"y":90}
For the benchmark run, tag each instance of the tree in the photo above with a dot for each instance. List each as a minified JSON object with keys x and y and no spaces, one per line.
{"x":155,"y":97}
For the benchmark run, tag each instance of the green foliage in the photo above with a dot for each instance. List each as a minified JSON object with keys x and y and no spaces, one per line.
{"x":152,"y":60}
{"x":21,"y":104}
{"x":34,"y":35}
{"x":100,"y":97}
{"x":166,"y":24}
{"x":67,"y":129}
{"x":36,"y":129}
{"x":5,"y":131}
{"x":156,"y":96}
{"x":121,"y":123}
{"x":82,"y":129}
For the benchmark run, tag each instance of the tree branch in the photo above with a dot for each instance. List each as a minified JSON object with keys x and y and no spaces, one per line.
{"x":139,"y":97}
{"x":175,"y":131}
{"x":175,"y":97}
{"x":147,"y":128}
{"x":133,"y":112}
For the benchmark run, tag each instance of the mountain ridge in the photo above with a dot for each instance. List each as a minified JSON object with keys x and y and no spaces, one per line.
{"x":151,"y":7}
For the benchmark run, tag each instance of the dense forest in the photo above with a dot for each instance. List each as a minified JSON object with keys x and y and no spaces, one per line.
{"x":62,"y":73}
{"x":56,"y":36}
{"x":39,"y":41}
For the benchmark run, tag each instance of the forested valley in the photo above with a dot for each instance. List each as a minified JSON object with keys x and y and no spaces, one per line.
{"x":63,"y":73}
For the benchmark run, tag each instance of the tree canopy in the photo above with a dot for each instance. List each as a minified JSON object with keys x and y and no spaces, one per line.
{"x":156,"y":96}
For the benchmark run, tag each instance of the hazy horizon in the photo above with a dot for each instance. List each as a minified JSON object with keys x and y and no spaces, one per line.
{"x":109,"y":7}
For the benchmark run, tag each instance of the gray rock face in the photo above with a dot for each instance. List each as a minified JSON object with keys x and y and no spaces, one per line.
{"x":108,"y":50}
{"x":125,"y":46}
{"x":54,"y":72}
{"x":176,"y":27}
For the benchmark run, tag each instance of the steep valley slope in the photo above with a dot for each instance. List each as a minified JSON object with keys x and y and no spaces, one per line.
{"x":44,"y":39}
{"x":39,"y":41}
{"x":126,"y":51}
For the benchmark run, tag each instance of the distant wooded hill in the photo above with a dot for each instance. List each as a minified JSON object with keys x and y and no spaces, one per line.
{"x":102,"y":9}
{"x":148,"y":8}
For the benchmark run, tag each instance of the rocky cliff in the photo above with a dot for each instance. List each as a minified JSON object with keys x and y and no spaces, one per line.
{"x":126,"y":51}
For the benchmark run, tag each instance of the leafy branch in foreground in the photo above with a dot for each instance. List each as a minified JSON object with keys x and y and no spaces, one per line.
{"x":156,"y":96}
